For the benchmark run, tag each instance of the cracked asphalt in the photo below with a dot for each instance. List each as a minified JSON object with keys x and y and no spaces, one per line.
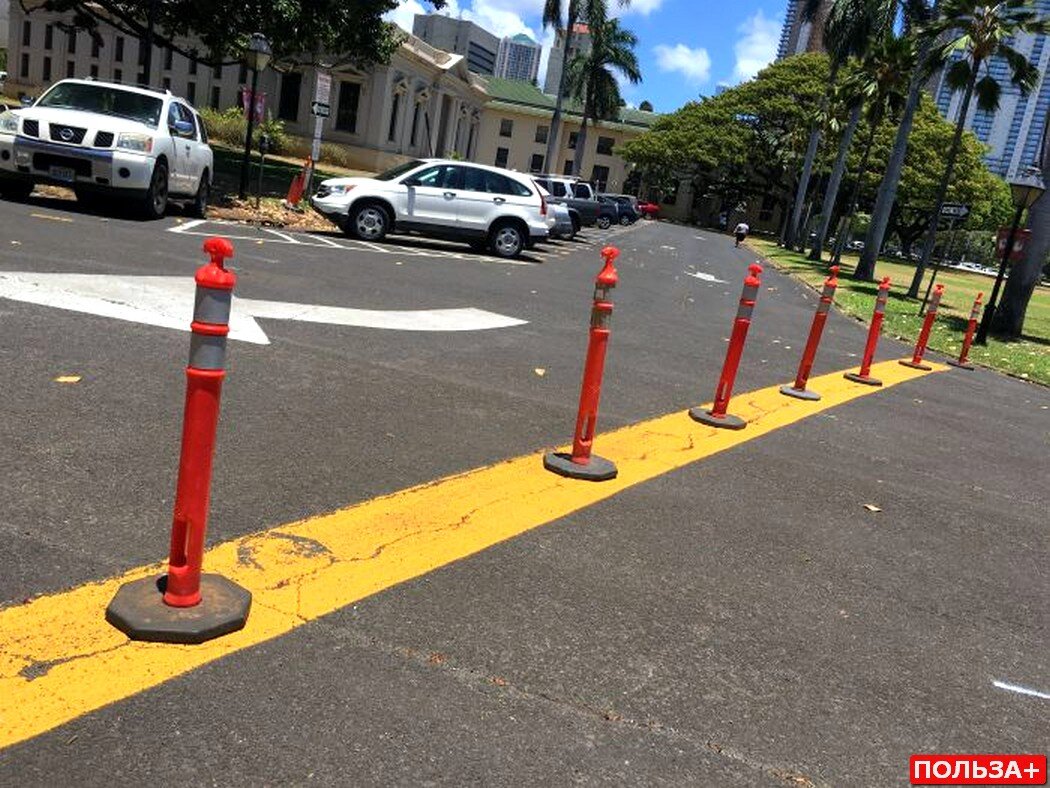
{"x":740,"y":621}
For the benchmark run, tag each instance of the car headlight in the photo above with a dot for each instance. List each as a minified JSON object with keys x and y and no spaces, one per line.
{"x":133,"y":141}
{"x":339,"y":188}
{"x":9,"y":123}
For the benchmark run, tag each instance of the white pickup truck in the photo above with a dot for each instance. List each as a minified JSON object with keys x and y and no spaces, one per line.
{"x":104,"y":138}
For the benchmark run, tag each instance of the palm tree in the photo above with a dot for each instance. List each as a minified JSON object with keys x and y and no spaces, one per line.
{"x":575,"y":11}
{"x":850,"y":25}
{"x":976,"y":34}
{"x":915,"y":13}
{"x":881,"y":85}
{"x":591,"y":78}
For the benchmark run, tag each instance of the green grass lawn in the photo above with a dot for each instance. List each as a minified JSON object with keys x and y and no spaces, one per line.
{"x":1028,"y":358}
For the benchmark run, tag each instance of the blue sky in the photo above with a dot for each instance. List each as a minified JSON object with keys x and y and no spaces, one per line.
{"x":686,"y":47}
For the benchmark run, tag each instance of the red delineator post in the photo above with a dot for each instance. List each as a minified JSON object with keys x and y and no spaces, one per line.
{"x":827,"y":298}
{"x":581,"y":464}
{"x":185,"y":606}
{"x":924,"y":334}
{"x":718,"y":415}
{"x":864,"y":375}
{"x":971,"y":328}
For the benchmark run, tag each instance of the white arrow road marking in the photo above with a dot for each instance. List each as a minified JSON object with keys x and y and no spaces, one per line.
{"x":705,"y":277}
{"x":167,"y":302}
{"x":1020,"y":690}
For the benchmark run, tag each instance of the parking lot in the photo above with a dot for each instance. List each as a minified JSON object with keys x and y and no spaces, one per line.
{"x":805,"y":602}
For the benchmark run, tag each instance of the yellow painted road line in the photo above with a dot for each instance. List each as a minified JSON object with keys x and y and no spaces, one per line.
{"x":50,"y":217}
{"x":59,"y":659}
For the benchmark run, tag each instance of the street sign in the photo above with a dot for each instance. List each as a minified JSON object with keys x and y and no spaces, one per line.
{"x":320,"y":110}
{"x":1021,"y":239}
{"x":323,"y":91}
{"x":955,"y":210}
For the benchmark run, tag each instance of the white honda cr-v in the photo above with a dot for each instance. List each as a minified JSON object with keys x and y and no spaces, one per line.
{"x":486,"y":207}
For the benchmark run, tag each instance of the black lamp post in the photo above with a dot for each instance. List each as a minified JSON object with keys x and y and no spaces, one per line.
{"x":256,"y":57}
{"x":1025,"y":188}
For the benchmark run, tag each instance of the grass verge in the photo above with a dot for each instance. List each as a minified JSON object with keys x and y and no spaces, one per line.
{"x":1027,"y":358}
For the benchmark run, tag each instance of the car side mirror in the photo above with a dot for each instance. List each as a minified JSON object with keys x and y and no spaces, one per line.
{"x":26,"y":101}
{"x":410,"y":182}
{"x":183,"y":128}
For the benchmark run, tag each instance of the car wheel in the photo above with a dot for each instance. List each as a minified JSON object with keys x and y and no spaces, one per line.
{"x":16,"y":190}
{"x":575,"y":225}
{"x":506,"y":240}
{"x":155,"y":203}
{"x":199,"y":208}
{"x":625,"y":220}
{"x":368,"y":222}
{"x":604,"y":222}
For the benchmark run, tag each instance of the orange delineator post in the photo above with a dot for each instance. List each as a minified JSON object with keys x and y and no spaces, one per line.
{"x":924,"y":334}
{"x":971,"y":328}
{"x":798,"y":390}
{"x":864,"y":375}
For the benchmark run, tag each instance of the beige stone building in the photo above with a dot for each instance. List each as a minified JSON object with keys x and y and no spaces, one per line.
{"x":424,"y":103}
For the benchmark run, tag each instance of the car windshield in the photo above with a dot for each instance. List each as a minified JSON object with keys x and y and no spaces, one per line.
{"x":104,"y":100}
{"x":399,"y":170}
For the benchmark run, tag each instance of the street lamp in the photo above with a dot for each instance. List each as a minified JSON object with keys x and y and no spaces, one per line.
{"x":1025,"y":188}
{"x":256,"y":57}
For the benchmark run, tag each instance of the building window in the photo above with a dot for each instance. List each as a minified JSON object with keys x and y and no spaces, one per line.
{"x":191,"y":92}
{"x":506,"y":128}
{"x":600,"y":177}
{"x":49,"y":36}
{"x":605,"y":146}
{"x":27,"y":33}
{"x":118,"y":75}
{"x":536,"y":164}
{"x":217,"y":72}
{"x":71,"y":69}
{"x":96,"y":47}
{"x":214,"y":103}
{"x":71,"y":47}
{"x":415,"y":125}
{"x":47,"y":69}
{"x":142,"y":54}
{"x":166,"y":83}
{"x":24,"y":70}
{"x":169,"y":55}
{"x":541,"y":134}
{"x":502,"y":154}
{"x":118,"y":53}
{"x":193,"y":63}
{"x":567,"y":170}
{"x":573,"y":136}
{"x":394,"y":108}
{"x":242,"y":75}
{"x":346,"y":111}
{"x":291,"y":85}
{"x":94,"y":71}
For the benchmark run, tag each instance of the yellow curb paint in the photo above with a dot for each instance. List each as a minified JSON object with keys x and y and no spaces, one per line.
{"x":50,"y":217}
{"x":59,"y":659}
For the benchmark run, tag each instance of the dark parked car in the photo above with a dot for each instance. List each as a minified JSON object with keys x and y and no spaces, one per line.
{"x":608,"y":213}
{"x":629,"y":210}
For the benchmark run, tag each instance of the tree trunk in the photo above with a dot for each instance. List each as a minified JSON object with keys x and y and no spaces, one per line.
{"x":581,"y":145}
{"x":552,"y":138}
{"x":887,"y":194}
{"x":942,"y":187}
{"x":792,"y":239}
{"x":854,"y":199}
{"x":1009,"y":316}
{"x":832,"y":192}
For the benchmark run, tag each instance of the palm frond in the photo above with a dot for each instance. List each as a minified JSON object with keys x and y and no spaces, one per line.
{"x":957,"y":76}
{"x":987,"y":91}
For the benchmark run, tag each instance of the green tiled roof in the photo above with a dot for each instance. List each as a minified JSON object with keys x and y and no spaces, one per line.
{"x":525,"y":94}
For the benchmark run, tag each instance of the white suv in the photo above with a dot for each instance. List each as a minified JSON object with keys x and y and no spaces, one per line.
{"x":103,"y":137}
{"x":486,"y":207}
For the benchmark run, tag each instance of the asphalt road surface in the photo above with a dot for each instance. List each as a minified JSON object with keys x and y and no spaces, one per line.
{"x":743,"y":620}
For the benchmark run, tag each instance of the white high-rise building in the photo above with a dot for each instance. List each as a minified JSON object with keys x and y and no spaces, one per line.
{"x":580,"y":45}
{"x":518,"y":58}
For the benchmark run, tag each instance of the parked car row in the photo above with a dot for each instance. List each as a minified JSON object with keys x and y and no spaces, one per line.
{"x":491,"y":209}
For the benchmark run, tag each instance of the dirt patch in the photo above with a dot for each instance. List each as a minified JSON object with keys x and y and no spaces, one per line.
{"x":271,"y":213}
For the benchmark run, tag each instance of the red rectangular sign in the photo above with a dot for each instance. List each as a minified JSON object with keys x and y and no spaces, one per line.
{"x":978,"y":770}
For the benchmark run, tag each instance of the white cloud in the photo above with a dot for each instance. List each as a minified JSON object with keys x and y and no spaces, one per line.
{"x":693,"y":64}
{"x":643,"y":7}
{"x":757,"y":46}
{"x":403,"y":14}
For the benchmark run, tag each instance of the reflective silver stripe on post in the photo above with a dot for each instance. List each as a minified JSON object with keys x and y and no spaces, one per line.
{"x":212,"y":306}
{"x":826,"y":298}
{"x":935,"y":301}
{"x":207,"y":351}
{"x":880,"y":305}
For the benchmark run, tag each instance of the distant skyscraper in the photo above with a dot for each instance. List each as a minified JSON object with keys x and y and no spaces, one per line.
{"x":797,"y":35}
{"x":465,"y":38}
{"x":518,"y":58}
{"x":1014,"y":131}
{"x":581,"y":44}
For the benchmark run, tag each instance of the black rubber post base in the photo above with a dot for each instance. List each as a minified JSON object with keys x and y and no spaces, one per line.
{"x":598,"y":469}
{"x":915,"y":365}
{"x":867,"y":380}
{"x":138,"y":610}
{"x":727,"y":422}
{"x":960,"y":364}
{"x":790,"y":391}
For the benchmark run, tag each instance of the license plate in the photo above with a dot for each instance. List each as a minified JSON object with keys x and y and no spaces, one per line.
{"x":66,"y":174}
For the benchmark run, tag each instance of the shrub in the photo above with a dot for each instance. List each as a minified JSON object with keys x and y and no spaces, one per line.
{"x":230,"y":126}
